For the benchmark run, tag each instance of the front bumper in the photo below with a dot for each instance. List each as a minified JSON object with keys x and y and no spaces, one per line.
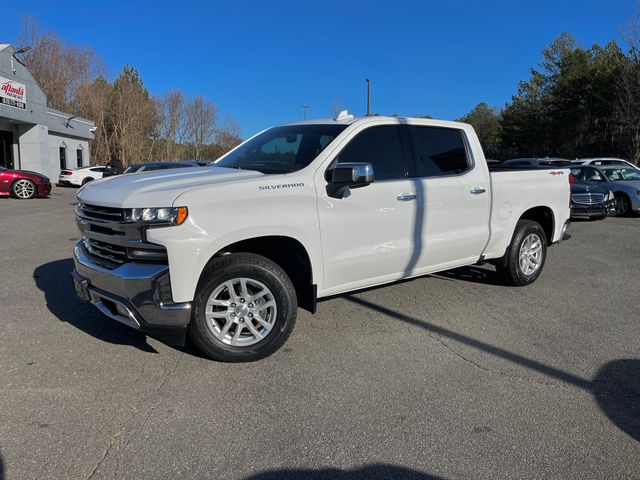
{"x":44,"y":189}
{"x":136,"y":294}
{"x":598,"y":210}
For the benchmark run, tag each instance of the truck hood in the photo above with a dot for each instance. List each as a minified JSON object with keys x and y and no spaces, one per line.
{"x":157,"y":189}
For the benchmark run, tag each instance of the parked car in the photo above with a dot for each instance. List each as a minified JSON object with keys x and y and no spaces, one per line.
{"x":152,"y":166}
{"x":590,"y":200}
{"x":23,"y":184}
{"x":624,"y":182}
{"x":80,"y":176}
{"x":113,"y":167}
{"x":535,"y":162}
{"x":304,"y":211}
{"x":600,"y":162}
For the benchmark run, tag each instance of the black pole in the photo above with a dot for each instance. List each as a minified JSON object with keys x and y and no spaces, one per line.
{"x":304,"y":111}
{"x":368,"y":97}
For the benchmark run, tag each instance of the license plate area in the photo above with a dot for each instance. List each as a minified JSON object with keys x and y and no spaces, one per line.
{"x":81,"y":286}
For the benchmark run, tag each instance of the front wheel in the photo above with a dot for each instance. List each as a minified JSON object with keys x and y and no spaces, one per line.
{"x":244,"y":310}
{"x":525,"y":256}
{"x":623,"y":206}
{"x":23,"y":189}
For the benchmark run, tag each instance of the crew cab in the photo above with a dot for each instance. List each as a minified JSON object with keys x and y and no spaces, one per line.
{"x":226,"y":254}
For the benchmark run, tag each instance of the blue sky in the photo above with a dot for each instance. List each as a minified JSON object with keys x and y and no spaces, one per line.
{"x":261,"y":60}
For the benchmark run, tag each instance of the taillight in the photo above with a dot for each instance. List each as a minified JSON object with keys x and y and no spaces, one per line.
{"x":572,"y":178}
{"x":66,"y":172}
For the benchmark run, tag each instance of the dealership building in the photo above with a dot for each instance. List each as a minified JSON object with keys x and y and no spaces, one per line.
{"x":32,"y":135}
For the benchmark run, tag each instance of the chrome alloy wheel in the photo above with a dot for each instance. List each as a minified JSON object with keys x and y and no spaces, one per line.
{"x":241,"y":312}
{"x":24,"y":189}
{"x":530,"y":256}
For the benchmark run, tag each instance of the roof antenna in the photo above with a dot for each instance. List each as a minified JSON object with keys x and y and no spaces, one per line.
{"x":344,"y":116}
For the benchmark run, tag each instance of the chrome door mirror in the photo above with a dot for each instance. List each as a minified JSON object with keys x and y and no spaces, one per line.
{"x":348,"y":175}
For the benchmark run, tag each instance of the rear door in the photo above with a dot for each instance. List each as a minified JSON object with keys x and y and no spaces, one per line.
{"x":455,"y":198}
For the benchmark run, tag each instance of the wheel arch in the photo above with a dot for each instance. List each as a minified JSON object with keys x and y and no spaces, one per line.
{"x":289,"y":253}
{"x":545,"y":217}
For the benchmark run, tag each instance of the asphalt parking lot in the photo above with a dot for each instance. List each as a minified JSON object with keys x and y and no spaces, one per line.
{"x":445,"y":376}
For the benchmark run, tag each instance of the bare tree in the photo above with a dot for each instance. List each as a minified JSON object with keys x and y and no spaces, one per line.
{"x":201,"y":117}
{"x":94,"y":102}
{"x":60,"y":70}
{"x":228,"y":135}
{"x":171,"y":122}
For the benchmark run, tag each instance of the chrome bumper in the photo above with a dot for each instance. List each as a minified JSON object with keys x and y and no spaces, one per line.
{"x":136,"y":294}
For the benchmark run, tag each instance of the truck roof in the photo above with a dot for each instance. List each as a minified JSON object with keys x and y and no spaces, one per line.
{"x":377,"y":118}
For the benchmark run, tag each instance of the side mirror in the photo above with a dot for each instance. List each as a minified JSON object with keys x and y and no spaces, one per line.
{"x":348,"y":175}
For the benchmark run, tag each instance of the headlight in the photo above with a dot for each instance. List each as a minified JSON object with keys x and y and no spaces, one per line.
{"x":158,"y":216}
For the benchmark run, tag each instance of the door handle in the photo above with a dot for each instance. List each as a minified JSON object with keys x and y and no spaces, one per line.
{"x":406,"y":197}
{"x":477,"y":190}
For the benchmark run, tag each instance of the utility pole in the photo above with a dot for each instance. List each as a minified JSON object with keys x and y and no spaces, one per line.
{"x":368,"y":97}
{"x":304,"y":111}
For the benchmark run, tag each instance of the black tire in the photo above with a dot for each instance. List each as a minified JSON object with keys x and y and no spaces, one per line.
{"x":509,"y":268}
{"x":623,"y":205}
{"x":19,"y":189}
{"x":252,"y":267}
{"x":87,"y":180}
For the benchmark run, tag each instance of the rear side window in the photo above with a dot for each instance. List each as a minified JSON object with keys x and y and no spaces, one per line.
{"x":379,"y":146}
{"x":438,"y":151}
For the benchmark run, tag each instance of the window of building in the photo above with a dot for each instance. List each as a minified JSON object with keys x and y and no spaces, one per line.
{"x":63,"y":158}
{"x":79,"y":160}
{"x":438,"y":151}
{"x":379,"y":146}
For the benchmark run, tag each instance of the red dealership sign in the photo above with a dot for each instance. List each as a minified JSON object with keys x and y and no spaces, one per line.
{"x":12,"y":93}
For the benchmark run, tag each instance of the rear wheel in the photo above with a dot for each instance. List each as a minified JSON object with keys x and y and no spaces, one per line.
{"x":23,"y":189}
{"x":244,"y":310}
{"x":87,"y":180}
{"x":525,"y":257}
{"x":623,"y":206}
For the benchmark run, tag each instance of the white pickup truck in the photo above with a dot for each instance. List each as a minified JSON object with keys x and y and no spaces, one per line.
{"x":227,"y":253}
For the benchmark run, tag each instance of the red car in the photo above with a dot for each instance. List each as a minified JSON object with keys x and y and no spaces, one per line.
{"x":23,"y":184}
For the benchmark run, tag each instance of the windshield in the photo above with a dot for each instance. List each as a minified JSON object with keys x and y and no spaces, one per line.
{"x":617,"y":174}
{"x":282,"y":149}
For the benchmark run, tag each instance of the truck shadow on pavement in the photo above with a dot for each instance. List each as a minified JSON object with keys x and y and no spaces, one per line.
{"x":54,"y":280}
{"x":615,"y":387}
{"x":368,"y":472}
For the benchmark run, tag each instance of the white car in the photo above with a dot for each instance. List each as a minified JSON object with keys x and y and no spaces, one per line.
{"x":303,"y":211}
{"x":80,"y":176}
{"x":599,"y":162}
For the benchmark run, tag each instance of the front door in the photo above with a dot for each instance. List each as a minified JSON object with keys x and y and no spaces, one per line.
{"x":6,"y":149}
{"x":369,"y":236}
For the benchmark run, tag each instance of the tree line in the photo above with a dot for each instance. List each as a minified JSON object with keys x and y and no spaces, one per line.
{"x":579,"y":102}
{"x":131,"y":125}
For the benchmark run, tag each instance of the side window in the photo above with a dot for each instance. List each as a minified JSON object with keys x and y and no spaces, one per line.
{"x":520,"y":163}
{"x":591,"y":175}
{"x":379,"y":146}
{"x":438,"y":151}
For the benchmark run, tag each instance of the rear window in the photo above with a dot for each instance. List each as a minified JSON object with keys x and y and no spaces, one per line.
{"x":438,"y":151}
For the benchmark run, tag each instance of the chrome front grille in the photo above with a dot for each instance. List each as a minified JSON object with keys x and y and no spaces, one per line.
{"x":113,"y":254}
{"x":94,"y":212}
{"x":588,"y":198}
{"x":110,"y":241}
